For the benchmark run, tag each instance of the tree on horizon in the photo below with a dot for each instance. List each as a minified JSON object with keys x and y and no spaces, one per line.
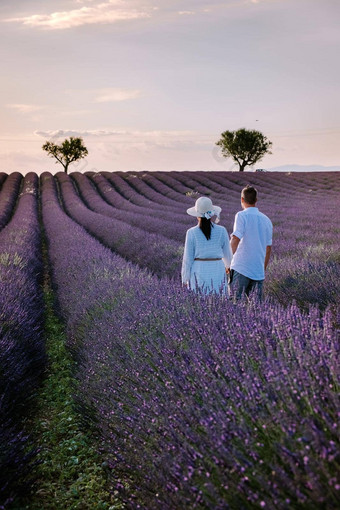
{"x":67,"y":152}
{"x":244,"y":146}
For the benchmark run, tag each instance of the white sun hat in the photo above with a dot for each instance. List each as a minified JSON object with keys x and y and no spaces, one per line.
{"x":204,"y":208}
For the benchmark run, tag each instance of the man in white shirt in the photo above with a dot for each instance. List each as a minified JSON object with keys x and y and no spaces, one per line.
{"x":250,"y":243}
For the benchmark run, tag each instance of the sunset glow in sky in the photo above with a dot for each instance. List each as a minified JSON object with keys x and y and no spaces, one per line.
{"x":151,"y":85}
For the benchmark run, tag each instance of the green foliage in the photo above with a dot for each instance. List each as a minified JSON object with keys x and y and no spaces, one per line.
{"x":70,"y":473}
{"x":67,"y":152}
{"x":246,"y":147}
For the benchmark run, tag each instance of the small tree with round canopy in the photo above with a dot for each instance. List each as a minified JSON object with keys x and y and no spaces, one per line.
{"x":245,"y":146}
{"x":67,"y":152}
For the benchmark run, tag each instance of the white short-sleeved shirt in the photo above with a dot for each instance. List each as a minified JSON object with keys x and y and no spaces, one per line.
{"x":209,"y":276}
{"x":255,"y":231}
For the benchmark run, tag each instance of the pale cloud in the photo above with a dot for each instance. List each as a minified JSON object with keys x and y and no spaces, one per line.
{"x":24,"y":108}
{"x":103,"y":13}
{"x":59,"y":133}
{"x":112,"y":11}
{"x":106,"y":146}
{"x":116,"y":94}
{"x":156,"y":134}
{"x":73,"y":113}
{"x":259,"y":1}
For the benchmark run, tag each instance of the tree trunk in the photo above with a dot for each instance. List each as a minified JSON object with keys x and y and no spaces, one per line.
{"x":66,"y":167}
{"x":242,"y":166}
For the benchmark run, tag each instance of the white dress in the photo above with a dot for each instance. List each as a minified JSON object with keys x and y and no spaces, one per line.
{"x":202,"y":275}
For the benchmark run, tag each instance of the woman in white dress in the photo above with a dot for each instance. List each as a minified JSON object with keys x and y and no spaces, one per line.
{"x":207,"y":252}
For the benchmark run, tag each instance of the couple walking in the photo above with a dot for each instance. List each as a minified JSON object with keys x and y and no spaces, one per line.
{"x":209,"y":256}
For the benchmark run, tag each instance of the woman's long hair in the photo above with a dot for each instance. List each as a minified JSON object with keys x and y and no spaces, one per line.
{"x":206,"y":226}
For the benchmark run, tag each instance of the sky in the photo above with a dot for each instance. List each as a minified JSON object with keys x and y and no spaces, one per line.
{"x":152,"y":84}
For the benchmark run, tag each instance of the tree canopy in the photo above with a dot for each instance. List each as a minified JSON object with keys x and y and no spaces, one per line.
{"x":245,"y":146}
{"x":67,"y":152}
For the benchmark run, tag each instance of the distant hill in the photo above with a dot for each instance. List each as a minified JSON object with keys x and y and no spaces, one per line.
{"x":305,"y":168}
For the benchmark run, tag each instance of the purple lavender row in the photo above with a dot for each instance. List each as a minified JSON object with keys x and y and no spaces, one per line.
{"x":283,"y":183}
{"x":117,"y":200}
{"x":171,"y":180}
{"x":145,"y":190}
{"x":125,"y":197}
{"x":325,"y":181}
{"x":313,"y":281}
{"x":163,"y":187}
{"x":194,"y":185}
{"x":139,"y":183}
{"x":294,"y":215}
{"x":293,"y":220}
{"x":233,"y":182}
{"x":228,"y":193}
{"x":179,"y":181}
{"x":22,"y":347}
{"x":77,"y":259}
{"x":208,"y":406}
{"x":158,"y":186}
{"x":305,"y":266}
{"x":160,"y":255}
{"x":175,"y":214}
{"x":133,"y":189}
{"x":172,"y":225}
{"x":3,"y":177}
{"x":8,"y":196}
{"x":124,"y":187}
{"x":141,"y":218}
{"x":196,"y":431}
{"x":197,"y":406}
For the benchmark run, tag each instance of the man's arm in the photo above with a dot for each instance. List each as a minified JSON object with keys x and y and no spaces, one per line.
{"x":267,"y":257}
{"x":234,"y":243}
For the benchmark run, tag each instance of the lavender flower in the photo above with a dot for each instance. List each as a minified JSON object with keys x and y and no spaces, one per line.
{"x":199,"y":403}
{"x":8,"y":196}
{"x":22,"y":350}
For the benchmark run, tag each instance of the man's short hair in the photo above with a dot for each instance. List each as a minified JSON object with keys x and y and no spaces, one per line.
{"x":249,"y":195}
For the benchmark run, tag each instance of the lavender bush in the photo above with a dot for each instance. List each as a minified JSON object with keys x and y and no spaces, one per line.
{"x":141,"y":186}
{"x":146,"y":208}
{"x":198,"y":403}
{"x":205,"y":405}
{"x":130,"y":242}
{"x":22,"y":353}
{"x":170,"y":227}
{"x":305,"y":282}
{"x":3,"y":177}
{"x":305,"y":255}
{"x":8,"y":196}
{"x":75,"y":256}
{"x":130,"y":192}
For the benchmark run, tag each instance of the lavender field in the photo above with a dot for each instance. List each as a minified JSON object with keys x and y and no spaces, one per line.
{"x":194,"y":403}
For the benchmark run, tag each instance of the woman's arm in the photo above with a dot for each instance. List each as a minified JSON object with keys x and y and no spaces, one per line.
{"x":188,"y":258}
{"x":227,"y":253}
